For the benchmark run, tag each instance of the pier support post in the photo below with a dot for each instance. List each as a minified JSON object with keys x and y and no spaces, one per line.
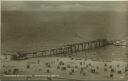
{"x":60,"y":51}
{"x":90,"y":45}
{"x":53,"y":52}
{"x":78,"y":47}
{"x":34,"y":54}
{"x":45,"y":52}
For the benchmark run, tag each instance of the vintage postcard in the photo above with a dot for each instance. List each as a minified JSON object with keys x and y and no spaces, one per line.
{"x":64,"y":40}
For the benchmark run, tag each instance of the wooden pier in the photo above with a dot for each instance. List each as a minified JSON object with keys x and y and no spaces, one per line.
{"x":64,"y":50}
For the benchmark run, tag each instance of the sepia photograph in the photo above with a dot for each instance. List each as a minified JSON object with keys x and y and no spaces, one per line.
{"x":64,"y":40}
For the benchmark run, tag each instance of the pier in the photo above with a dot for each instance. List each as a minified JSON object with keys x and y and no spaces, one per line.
{"x":68,"y":49}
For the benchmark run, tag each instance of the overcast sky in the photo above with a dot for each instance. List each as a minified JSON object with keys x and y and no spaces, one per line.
{"x":64,"y":6}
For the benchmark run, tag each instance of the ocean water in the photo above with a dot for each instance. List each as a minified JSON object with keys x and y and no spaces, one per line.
{"x":107,"y":53}
{"x":33,"y":30}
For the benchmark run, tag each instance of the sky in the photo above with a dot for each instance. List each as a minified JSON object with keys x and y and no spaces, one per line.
{"x":35,"y":24}
{"x":64,"y":6}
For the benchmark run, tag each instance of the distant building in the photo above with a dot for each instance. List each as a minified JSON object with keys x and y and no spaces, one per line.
{"x":120,"y":43}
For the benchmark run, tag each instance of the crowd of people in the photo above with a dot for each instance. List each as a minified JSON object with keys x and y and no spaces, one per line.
{"x":85,"y":67}
{"x":69,"y":67}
